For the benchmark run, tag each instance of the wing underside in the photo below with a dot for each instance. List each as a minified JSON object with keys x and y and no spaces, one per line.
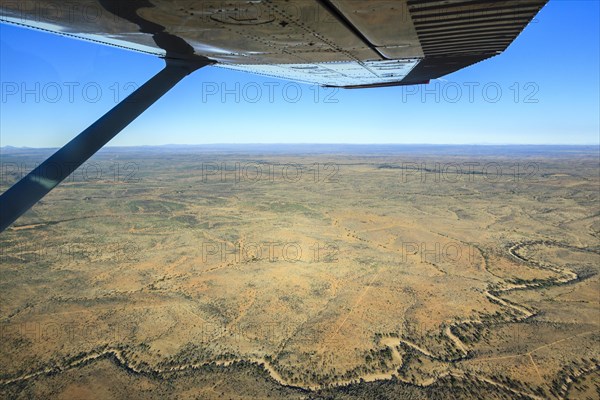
{"x":341,"y":43}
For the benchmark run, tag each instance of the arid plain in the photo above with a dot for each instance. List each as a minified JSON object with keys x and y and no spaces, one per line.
{"x":307,"y":272}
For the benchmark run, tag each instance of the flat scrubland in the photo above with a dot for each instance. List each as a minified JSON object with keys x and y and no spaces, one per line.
{"x":417,"y":273}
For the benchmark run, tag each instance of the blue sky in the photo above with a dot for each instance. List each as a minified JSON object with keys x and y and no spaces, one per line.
{"x":549,"y":79}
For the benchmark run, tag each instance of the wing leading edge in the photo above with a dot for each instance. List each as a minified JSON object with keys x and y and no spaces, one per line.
{"x":339,"y":43}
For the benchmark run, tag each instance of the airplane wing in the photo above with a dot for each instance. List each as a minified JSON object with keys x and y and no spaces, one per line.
{"x":341,"y":43}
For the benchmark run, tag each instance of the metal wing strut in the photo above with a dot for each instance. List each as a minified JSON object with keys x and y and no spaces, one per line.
{"x":39,"y":182}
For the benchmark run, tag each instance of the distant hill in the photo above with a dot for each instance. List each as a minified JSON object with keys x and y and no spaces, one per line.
{"x":358,"y":149}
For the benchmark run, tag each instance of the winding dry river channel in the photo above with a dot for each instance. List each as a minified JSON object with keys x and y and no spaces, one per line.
{"x":565,"y":276}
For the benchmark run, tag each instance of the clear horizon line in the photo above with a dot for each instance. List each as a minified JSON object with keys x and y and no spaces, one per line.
{"x":324,"y":144}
